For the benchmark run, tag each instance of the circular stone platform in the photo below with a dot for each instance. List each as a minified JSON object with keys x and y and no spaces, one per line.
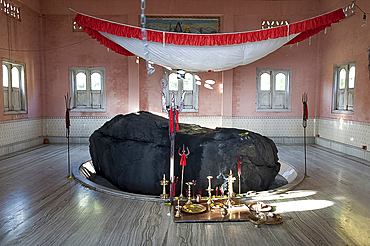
{"x":86,"y":175}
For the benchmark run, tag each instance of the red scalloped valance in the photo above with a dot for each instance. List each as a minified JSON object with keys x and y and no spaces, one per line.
{"x":305,"y":29}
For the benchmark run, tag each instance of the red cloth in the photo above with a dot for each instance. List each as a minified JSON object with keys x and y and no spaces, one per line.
{"x":305,"y":111}
{"x":183,"y":160}
{"x":306,"y":29}
{"x":68,"y":122}
{"x":177,"y":120}
{"x":171,"y":120}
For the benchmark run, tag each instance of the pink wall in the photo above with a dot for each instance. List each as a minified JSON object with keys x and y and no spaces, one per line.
{"x":128,"y":85}
{"x":346,"y":41}
{"x":243,"y":15}
{"x":85,"y":52}
{"x":24,"y":46}
{"x":301,"y":59}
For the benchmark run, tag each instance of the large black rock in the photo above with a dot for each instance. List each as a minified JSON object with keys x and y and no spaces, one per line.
{"x":133,"y":151}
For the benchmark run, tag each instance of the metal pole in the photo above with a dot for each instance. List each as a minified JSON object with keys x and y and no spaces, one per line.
{"x":304,"y":124}
{"x":67,"y":99}
{"x":172,"y":158}
{"x":305,"y":153}
{"x":69,"y":159}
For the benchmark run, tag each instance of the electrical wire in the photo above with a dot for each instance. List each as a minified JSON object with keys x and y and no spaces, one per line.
{"x":56,"y":48}
{"x":360,"y":9}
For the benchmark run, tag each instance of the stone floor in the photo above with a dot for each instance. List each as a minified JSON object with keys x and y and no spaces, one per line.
{"x":40,"y":206}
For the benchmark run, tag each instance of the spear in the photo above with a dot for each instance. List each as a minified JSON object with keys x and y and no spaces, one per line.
{"x":183,"y":164}
{"x":304,"y":124}
{"x":239,"y":160}
{"x":67,"y":100}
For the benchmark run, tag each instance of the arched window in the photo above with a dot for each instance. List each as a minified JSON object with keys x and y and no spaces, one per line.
{"x":265,"y":84}
{"x":344,"y":87}
{"x":273,"y":89}
{"x":96,"y":81}
{"x":81,"y":81}
{"x":280,"y":82}
{"x":178,"y":82}
{"x":87,"y":87}
{"x":14,"y":89}
{"x":5,"y":76}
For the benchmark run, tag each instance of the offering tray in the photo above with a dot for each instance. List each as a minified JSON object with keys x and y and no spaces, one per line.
{"x":239,"y":212}
{"x":263,"y":207}
{"x":194,"y":208}
{"x":274,"y":219}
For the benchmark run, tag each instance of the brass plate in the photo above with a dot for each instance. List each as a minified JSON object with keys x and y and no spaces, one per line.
{"x":194,"y":208}
{"x":265,"y":207}
{"x":277,"y":219}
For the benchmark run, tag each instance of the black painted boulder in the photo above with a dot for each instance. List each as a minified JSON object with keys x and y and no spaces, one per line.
{"x":132,"y":151}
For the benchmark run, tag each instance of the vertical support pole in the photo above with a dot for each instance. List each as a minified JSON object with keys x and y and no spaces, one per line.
{"x":305,"y":154}
{"x":304,"y":124}
{"x":172,"y":158}
{"x":69,"y":158}
{"x":67,"y":100}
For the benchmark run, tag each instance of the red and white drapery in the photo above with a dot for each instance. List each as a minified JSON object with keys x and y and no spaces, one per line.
{"x":203,"y":52}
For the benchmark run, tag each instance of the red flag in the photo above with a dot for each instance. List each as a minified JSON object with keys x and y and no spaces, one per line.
{"x":177,"y":120}
{"x":183,"y":160}
{"x":171,"y":121}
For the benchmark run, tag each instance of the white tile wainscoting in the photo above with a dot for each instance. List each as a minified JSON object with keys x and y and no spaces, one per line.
{"x":348,"y":137}
{"x":345,"y":136}
{"x":18,"y":135}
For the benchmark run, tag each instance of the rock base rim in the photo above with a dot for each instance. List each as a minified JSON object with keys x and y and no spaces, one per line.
{"x":83,"y":171}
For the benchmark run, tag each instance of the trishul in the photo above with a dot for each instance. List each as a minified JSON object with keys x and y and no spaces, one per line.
{"x":172,"y":111}
{"x":173,"y":114}
{"x":183,"y":164}
{"x":239,"y":160}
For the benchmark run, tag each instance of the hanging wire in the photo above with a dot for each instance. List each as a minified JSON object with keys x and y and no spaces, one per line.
{"x":364,"y":15}
{"x":56,"y":48}
{"x":360,"y":8}
{"x":144,"y":36}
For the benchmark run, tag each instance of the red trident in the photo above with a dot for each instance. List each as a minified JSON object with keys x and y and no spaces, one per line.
{"x":239,"y":160}
{"x":183,"y":155}
{"x":173,"y":184}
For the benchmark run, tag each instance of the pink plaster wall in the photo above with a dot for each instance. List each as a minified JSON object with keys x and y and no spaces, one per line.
{"x":240,"y":16}
{"x":210,"y":101}
{"x":345,"y":42}
{"x":150,"y":87}
{"x":20,"y":41}
{"x":312,"y":64}
{"x":150,"y":97}
{"x":81,"y":51}
{"x":301,"y":59}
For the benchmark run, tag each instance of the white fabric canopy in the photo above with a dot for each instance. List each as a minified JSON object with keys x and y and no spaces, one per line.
{"x":201,"y":58}
{"x":202,"y":52}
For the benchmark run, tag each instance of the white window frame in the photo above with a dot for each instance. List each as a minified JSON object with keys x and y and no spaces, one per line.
{"x":88,"y":100}
{"x":10,"y":9}
{"x":343,"y":99}
{"x":266,"y":24}
{"x":278,"y":100}
{"x":191,"y":97}
{"x":14,"y":99}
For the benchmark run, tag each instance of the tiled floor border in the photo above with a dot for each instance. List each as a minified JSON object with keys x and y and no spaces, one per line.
{"x":345,"y":136}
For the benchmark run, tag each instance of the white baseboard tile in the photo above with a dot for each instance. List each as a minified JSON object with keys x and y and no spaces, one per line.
{"x":19,"y":146}
{"x":293,"y":140}
{"x":72,"y":140}
{"x":343,"y":148}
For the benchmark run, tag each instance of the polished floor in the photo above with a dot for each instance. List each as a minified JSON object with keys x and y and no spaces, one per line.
{"x":40,"y":206}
